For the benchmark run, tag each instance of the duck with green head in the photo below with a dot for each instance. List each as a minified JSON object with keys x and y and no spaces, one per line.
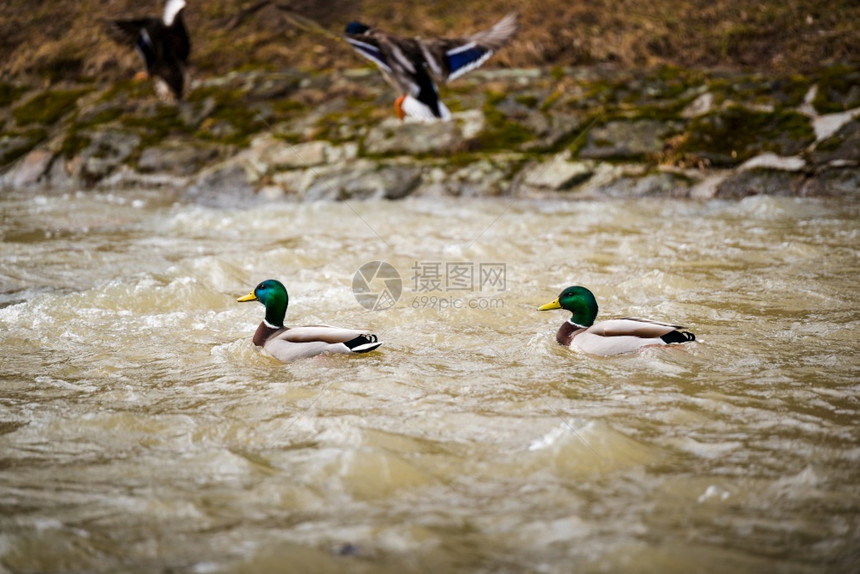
{"x":411,"y":64}
{"x":291,"y":343}
{"x":611,"y":337}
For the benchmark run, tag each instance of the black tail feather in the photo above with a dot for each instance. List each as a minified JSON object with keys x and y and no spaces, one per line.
{"x":363,"y":343}
{"x":678,"y":337}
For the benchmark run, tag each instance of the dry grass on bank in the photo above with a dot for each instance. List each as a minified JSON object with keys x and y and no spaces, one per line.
{"x":53,"y":40}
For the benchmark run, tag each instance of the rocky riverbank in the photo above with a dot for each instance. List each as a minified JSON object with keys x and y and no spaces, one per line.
{"x":569,"y":133}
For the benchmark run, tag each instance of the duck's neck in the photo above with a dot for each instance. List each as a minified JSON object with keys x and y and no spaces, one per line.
{"x":582,"y":313}
{"x":566,"y":332}
{"x":263,"y":332}
{"x":582,"y":317}
{"x":579,"y":324}
{"x":276,"y":302}
{"x":275,"y":316}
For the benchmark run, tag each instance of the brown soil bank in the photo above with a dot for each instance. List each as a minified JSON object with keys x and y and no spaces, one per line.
{"x":53,"y":40}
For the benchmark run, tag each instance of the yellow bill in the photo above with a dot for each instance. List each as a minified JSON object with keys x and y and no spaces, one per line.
{"x":249,"y":297}
{"x":553,"y":305}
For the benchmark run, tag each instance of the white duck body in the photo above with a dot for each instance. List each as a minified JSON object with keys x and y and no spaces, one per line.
{"x":288,"y":344}
{"x":615,"y":336}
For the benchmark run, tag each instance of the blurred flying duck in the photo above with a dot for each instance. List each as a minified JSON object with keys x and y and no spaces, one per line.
{"x":291,"y":343}
{"x":163,"y":44}
{"x":406,"y":63}
{"x":611,"y":337}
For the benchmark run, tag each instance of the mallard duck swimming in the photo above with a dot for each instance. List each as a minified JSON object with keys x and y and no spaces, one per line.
{"x":164,"y":45}
{"x":290,"y":343}
{"x":404,"y":62}
{"x":611,"y":337}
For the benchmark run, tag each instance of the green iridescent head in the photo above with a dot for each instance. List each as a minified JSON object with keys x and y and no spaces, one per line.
{"x":273,"y":295}
{"x":579,"y":301}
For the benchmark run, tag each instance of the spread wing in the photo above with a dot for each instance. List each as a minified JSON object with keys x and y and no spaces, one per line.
{"x":368,"y":46}
{"x":126,"y":32}
{"x":136,"y":34}
{"x":399,"y":59}
{"x":451,"y":58}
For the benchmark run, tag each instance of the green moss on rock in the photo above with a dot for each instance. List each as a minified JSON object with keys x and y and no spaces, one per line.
{"x":550,"y":101}
{"x":73,"y":144}
{"x":500,"y":132}
{"x":48,"y":107}
{"x":156,"y":122}
{"x":9,"y":94}
{"x":838,"y":90}
{"x":528,"y":100}
{"x":17,"y":143}
{"x":779,"y":92}
{"x":132,"y":89}
{"x":98,"y":116}
{"x":231,"y":125}
{"x":735,"y":134}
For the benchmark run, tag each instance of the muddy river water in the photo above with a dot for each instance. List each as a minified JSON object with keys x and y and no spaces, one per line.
{"x":141,"y":431}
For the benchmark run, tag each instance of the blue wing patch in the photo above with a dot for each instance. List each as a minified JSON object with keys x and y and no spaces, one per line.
{"x":145,"y":48}
{"x":466,"y":58}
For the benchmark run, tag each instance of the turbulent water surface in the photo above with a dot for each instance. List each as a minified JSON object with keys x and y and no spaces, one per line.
{"x":141,"y":431}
